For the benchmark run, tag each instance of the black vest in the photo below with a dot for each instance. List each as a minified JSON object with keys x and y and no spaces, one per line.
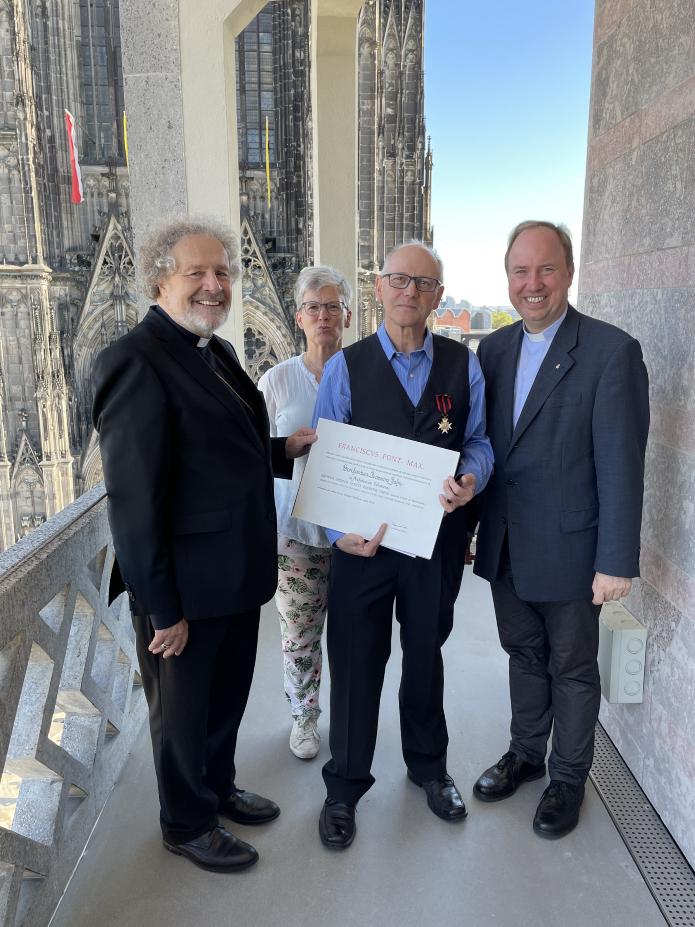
{"x":379,"y":402}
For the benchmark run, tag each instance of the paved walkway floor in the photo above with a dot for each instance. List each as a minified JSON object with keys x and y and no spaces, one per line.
{"x":406,"y":868}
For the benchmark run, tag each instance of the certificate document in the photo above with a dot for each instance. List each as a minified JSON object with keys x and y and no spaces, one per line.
{"x":356,"y":479}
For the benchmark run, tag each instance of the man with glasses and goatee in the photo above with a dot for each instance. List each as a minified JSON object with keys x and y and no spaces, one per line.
{"x":403,"y":381}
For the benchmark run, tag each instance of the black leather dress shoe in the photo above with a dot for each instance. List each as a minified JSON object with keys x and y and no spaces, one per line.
{"x":337,"y":824}
{"x":504,"y":778}
{"x":216,"y":851}
{"x":244,"y":807}
{"x":443,"y":797}
{"x":558,"y":810}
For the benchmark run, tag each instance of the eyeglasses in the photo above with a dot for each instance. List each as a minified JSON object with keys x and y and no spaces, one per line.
{"x":402,"y":281}
{"x":313,"y":309}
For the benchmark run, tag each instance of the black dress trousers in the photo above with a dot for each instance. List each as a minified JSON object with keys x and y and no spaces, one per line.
{"x":196,"y":703}
{"x":554,"y":681}
{"x":360,"y":605}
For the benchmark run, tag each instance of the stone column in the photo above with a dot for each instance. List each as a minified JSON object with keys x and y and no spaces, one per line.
{"x":7,"y":529}
{"x":211,"y":152}
{"x":638,"y":271}
{"x":334,"y":93}
{"x":154,"y":108}
{"x":182,"y":119}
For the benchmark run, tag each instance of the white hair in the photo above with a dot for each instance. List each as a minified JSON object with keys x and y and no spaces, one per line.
{"x":313,"y":278}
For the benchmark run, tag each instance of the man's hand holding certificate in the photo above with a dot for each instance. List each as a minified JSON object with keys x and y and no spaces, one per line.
{"x":357,"y":480}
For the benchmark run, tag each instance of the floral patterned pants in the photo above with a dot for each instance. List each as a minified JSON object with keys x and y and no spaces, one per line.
{"x":301,"y":600}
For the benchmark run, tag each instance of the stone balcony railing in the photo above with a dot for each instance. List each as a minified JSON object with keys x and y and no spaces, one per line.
{"x":71,"y":703}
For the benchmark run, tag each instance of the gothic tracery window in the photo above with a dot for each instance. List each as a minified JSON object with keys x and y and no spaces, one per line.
{"x":259,"y":355}
{"x":30,"y":501}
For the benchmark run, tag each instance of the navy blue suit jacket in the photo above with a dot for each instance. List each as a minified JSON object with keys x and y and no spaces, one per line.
{"x":568,"y":482}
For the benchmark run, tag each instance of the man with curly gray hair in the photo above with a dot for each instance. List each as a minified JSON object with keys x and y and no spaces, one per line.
{"x":188,"y":465}
{"x":158,"y":262}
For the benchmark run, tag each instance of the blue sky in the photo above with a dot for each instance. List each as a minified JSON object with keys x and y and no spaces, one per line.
{"x":506,"y":102}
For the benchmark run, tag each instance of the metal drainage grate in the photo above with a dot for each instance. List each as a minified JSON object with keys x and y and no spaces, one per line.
{"x":665,"y":870}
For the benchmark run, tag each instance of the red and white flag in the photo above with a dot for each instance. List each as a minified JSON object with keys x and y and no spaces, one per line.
{"x":76,"y":194}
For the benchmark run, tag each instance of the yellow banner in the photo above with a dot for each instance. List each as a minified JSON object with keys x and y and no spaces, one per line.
{"x":267,"y":158}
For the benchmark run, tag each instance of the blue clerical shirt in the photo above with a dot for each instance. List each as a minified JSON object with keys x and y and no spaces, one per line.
{"x":534,"y":347}
{"x":334,"y":402}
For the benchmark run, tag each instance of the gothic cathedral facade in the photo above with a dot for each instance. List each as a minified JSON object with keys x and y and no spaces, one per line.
{"x":66,"y":270}
{"x":394,"y":161}
{"x":67,"y":281}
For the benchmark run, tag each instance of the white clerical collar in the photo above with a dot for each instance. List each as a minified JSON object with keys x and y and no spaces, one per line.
{"x":203,"y":342}
{"x":548,"y":333}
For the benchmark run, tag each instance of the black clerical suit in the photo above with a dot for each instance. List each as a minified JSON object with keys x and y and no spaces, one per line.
{"x":188,"y":466}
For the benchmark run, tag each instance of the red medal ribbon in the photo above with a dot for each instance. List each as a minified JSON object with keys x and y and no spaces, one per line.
{"x":443,"y":403}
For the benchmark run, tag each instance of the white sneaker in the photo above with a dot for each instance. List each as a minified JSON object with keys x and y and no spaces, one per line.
{"x":305,"y":739}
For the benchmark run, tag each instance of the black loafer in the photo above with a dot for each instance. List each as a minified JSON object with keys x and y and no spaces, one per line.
{"x":443,"y":798}
{"x":337,"y":824}
{"x":504,"y":778}
{"x":558,"y":810}
{"x":216,"y":851}
{"x":244,"y":807}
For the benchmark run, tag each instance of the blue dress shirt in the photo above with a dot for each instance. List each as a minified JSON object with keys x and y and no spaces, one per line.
{"x":334,"y":402}
{"x":534,"y":347}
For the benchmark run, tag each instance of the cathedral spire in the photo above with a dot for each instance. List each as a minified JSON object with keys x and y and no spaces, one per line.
{"x":393,"y":169}
{"x":27,"y":132}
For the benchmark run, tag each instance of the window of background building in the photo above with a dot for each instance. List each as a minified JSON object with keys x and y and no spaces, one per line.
{"x":255,"y":90}
{"x":102,"y":81}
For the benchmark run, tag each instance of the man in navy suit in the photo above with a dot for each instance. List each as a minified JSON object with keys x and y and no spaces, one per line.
{"x":568,"y":415}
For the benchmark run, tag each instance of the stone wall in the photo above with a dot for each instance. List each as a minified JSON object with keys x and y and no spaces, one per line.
{"x":638,"y":271}
{"x":71,"y":703}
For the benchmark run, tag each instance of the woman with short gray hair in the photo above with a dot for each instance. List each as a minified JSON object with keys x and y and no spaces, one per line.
{"x":322,"y":302}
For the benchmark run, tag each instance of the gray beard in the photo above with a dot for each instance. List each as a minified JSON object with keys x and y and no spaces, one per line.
{"x":201,"y":325}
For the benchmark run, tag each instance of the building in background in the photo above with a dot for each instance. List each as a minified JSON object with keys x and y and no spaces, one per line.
{"x":470,"y":324}
{"x":275,"y":161}
{"x":394,"y":155}
{"x":66,"y":269}
{"x":67,"y":284}
{"x":274,"y":132}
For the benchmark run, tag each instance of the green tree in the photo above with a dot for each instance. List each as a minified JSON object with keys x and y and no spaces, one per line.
{"x":501,"y":318}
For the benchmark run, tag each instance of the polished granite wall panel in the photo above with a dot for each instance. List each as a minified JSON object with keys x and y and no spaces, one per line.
{"x":643,"y":200}
{"x":608,"y":15}
{"x":668,"y":776}
{"x":649,"y":51}
{"x":674,"y":268}
{"x":663,"y":321}
{"x":638,"y":272}
{"x":669,"y":505}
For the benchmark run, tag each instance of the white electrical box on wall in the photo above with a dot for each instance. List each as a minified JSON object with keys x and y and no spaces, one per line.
{"x":621,"y":654}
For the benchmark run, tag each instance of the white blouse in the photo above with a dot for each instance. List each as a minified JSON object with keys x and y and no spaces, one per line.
{"x":290,"y":390}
